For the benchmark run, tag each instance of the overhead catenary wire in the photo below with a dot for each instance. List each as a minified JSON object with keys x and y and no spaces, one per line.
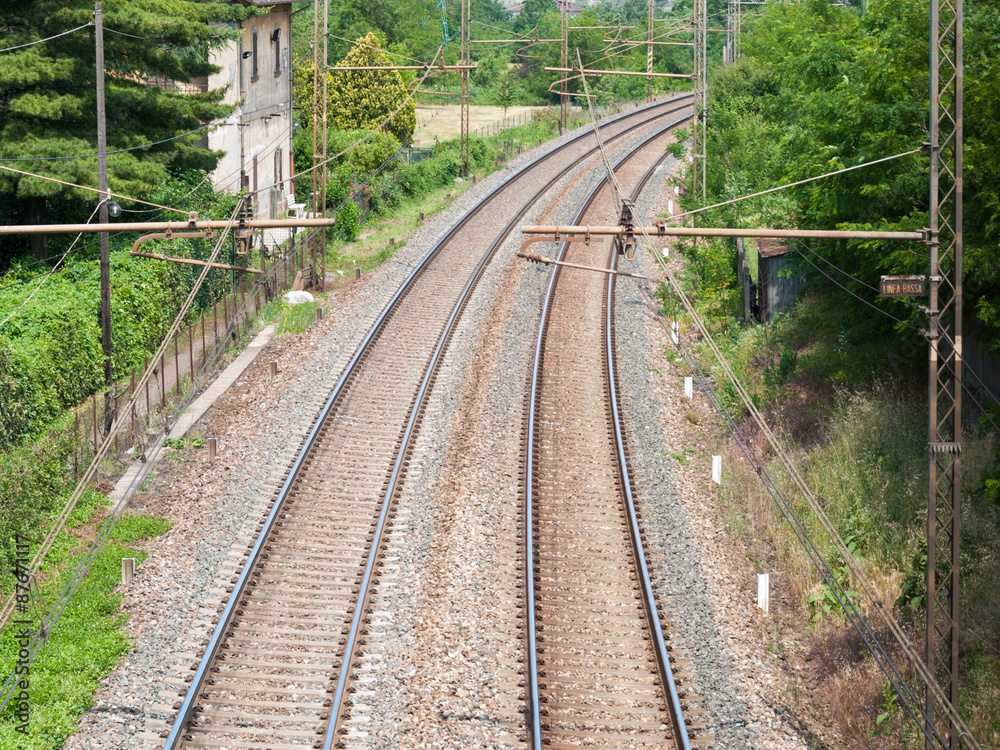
{"x":374,"y":130}
{"x":794,"y":184}
{"x":867,"y":634}
{"x":916,"y":663}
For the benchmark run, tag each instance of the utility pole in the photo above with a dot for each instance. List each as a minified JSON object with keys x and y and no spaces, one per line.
{"x":316,"y":154}
{"x":102,"y":185}
{"x":649,"y":52}
{"x":701,"y":49}
{"x":945,"y":374}
{"x":737,"y":28}
{"x":320,"y":271}
{"x":463,"y":76}
{"x":564,"y":62}
{"x":696,"y":85}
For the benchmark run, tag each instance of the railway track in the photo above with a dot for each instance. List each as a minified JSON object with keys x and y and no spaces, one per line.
{"x":598,"y":672}
{"x":277,"y":670}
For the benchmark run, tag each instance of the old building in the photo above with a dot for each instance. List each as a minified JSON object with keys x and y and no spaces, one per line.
{"x":257,"y":136}
{"x":779,"y":282}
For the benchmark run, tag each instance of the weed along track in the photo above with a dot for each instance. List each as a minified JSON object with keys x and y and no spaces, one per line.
{"x":283,"y":662}
{"x":598,"y":672}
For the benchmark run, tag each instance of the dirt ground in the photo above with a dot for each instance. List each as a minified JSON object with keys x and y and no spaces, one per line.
{"x":445,"y":125}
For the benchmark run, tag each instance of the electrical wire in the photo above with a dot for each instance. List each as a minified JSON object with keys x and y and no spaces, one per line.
{"x":40,"y":637}
{"x":370,"y":133}
{"x":916,"y":663}
{"x":216,"y":123}
{"x":92,"y":190}
{"x":122,"y":33}
{"x":47,"y":39}
{"x":793,"y":184}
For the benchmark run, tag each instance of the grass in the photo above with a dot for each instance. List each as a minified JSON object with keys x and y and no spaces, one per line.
{"x":855,"y":425}
{"x":87,"y":641}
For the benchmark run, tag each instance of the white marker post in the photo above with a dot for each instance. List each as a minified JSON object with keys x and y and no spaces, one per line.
{"x":689,"y":387}
{"x":128,"y":570}
{"x":764,"y":592}
{"x":717,"y":469}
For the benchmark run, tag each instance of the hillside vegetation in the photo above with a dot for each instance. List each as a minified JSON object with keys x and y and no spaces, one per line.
{"x":842,"y":375}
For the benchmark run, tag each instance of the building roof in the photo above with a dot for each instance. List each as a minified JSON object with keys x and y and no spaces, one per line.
{"x":770,"y":248}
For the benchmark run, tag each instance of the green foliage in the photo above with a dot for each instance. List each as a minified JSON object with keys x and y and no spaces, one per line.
{"x":132,"y":529}
{"x":33,"y":481}
{"x":349,"y":221}
{"x":505,"y":92}
{"x":822,"y":87}
{"x":296,"y":318}
{"x":82,"y":648}
{"x":48,"y":109}
{"x":827,"y":601}
{"x":362,"y":99}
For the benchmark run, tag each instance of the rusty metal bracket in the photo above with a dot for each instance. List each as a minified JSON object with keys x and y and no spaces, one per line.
{"x":170,"y":235}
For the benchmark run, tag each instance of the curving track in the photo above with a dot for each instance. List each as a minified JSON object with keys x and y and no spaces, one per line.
{"x":276,"y":673}
{"x":598,"y":673}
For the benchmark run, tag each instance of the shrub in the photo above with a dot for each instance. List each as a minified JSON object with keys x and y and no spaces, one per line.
{"x":349,"y":221}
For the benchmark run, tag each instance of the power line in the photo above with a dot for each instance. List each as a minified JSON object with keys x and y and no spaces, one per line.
{"x":92,"y":190}
{"x":47,"y":39}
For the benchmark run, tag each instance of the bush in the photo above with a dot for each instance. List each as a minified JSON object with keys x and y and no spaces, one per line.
{"x":349,"y":221}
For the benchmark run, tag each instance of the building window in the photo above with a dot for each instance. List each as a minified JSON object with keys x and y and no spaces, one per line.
{"x":253,"y":56}
{"x":276,"y":39}
{"x":278,"y":177}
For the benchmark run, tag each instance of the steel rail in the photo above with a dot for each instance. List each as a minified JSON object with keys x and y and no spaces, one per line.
{"x":532,"y":683}
{"x":652,"y":614}
{"x":336,"y":708}
{"x":202,"y":672}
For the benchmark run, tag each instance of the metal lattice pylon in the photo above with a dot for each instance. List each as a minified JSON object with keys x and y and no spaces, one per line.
{"x":464,"y":78}
{"x":945,"y":374}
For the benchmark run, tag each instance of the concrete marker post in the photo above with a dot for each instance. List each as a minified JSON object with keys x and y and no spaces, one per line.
{"x":764,"y":592}
{"x":128,"y":571}
{"x":717,"y":469}
{"x":689,"y":386}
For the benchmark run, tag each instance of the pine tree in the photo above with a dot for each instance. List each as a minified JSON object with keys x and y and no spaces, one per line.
{"x":362,"y":99}
{"x":48,"y":99}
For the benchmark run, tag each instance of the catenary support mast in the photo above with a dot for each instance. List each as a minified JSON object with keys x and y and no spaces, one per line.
{"x":945,"y":372}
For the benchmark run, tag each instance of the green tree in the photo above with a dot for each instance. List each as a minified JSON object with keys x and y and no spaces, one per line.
{"x":48,"y":100}
{"x":505,"y":93}
{"x":362,"y":99}
{"x":533,"y":12}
